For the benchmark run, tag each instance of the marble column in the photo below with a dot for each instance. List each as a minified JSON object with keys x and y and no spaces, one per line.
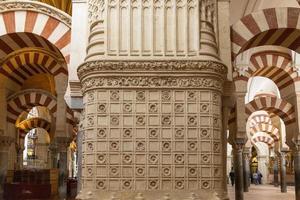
{"x":238,"y":169}
{"x":275,"y":172}
{"x":63,"y":144}
{"x":297,"y":171}
{"x":283,"y":185}
{"x":246,"y":169}
{"x":53,"y":155}
{"x":20,"y":153}
{"x":5,"y":142}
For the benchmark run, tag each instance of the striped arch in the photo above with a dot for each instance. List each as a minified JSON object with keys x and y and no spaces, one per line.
{"x":266,"y":128}
{"x":264,"y":139}
{"x":21,"y":65}
{"x":26,"y":100}
{"x":32,"y":123}
{"x":276,"y":66}
{"x":52,"y":25}
{"x":273,"y":26}
{"x":272,"y":104}
{"x":261,"y":118}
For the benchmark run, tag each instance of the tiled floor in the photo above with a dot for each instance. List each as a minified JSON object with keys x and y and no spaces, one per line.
{"x":264,"y":192}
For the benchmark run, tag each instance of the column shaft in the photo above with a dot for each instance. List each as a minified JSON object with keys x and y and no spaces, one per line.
{"x":283,"y":185}
{"x":246,"y":172}
{"x":3,"y":170}
{"x":275,"y":171}
{"x":297,"y":173}
{"x":239,"y":176}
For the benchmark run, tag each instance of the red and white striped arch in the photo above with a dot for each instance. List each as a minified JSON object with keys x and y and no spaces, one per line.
{"x":32,"y":123}
{"x":272,"y":104}
{"x":25,"y":64}
{"x":273,"y":26}
{"x":274,"y":65}
{"x":26,"y":100}
{"x":33,"y":24}
{"x":264,"y":139}
{"x":260,"y":118}
{"x":266,"y":128}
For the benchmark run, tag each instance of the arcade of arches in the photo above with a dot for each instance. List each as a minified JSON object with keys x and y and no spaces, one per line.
{"x":148,"y":99}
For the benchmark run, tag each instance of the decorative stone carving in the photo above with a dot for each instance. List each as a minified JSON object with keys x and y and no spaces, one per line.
{"x":96,"y":9}
{"x":174,"y":66}
{"x":155,"y":81}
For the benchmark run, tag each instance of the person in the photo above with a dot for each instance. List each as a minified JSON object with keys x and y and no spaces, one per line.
{"x":255,"y":178}
{"x":259,"y":177}
{"x":231,"y":175}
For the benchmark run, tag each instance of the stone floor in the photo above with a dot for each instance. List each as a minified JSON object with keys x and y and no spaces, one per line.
{"x":264,"y":192}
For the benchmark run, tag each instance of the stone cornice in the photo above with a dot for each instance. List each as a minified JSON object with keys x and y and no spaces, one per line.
{"x":6,"y":6}
{"x":178,"y":66}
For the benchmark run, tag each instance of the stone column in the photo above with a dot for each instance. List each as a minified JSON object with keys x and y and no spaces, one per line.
{"x":238,"y":168}
{"x":246,"y":169}
{"x":53,"y":155}
{"x":63,"y":144}
{"x":20,"y":151}
{"x":296,"y":153}
{"x":5,"y":142}
{"x":275,"y":171}
{"x":283,"y":185}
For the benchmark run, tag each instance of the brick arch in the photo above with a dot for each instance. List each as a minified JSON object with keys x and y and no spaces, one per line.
{"x":264,"y":139}
{"x":274,"y":65}
{"x":20,"y":66}
{"x":274,"y":105}
{"x":32,"y":123}
{"x":266,"y":128}
{"x":271,"y":26}
{"x":40,"y":28}
{"x":26,"y":100}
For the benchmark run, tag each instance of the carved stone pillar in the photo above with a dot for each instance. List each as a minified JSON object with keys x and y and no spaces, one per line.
{"x":160,"y":129}
{"x":238,"y":168}
{"x":283,"y":185}
{"x":246,"y":168}
{"x":5,"y":142}
{"x":275,"y":171}
{"x":20,"y":150}
{"x":62,"y":146}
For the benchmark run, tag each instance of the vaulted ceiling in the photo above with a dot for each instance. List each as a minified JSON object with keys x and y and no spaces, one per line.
{"x":64,"y":5}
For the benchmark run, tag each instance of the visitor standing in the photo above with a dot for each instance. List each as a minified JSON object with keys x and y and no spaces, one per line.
{"x":231,"y":175}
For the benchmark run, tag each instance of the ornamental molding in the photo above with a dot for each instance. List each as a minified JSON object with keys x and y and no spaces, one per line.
{"x":6,"y":6}
{"x":151,"y":66}
{"x":196,"y":82}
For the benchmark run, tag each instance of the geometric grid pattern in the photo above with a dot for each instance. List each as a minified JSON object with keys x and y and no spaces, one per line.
{"x":152,"y":140}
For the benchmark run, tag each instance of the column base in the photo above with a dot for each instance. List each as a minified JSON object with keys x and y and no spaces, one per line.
{"x":148,"y":195}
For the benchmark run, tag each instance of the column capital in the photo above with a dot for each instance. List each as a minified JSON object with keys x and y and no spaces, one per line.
{"x":239,"y":143}
{"x":62,"y":143}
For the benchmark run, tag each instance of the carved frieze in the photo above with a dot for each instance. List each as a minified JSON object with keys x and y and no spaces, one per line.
{"x":174,"y":66}
{"x":152,"y":81}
